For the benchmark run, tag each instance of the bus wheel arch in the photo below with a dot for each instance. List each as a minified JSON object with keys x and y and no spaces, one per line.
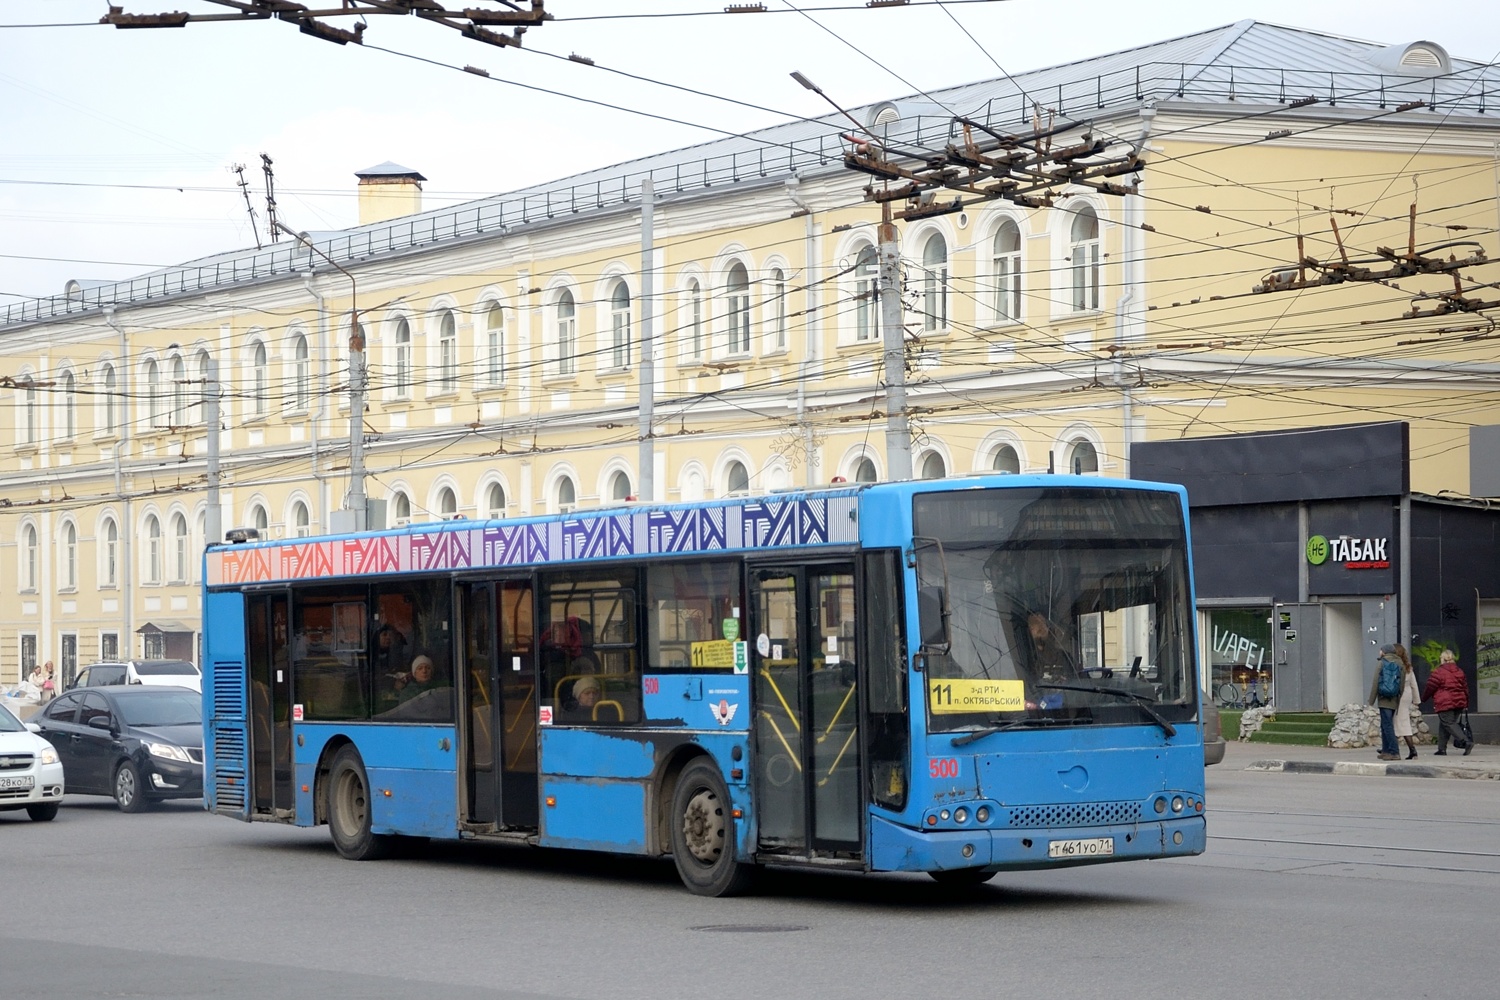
{"x":703,"y":832}
{"x":665,"y":787}
{"x":350,"y":801}
{"x":320,"y":777}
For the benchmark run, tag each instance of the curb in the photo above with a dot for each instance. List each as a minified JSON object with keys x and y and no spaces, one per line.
{"x":1399,"y":770}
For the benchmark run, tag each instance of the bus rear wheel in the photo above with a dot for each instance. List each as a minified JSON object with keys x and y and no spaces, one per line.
{"x":703,"y":833}
{"x":962,"y":876}
{"x":348,"y":809}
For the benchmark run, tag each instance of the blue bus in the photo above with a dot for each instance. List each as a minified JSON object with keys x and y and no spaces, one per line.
{"x":958,"y":677}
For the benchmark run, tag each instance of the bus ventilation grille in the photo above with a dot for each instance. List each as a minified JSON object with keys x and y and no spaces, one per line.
{"x":1081,"y":814}
{"x":229,"y":771}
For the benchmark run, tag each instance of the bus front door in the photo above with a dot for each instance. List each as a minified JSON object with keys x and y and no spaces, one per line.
{"x":500,"y":761}
{"x":807,"y":748}
{"x":267,"y":624}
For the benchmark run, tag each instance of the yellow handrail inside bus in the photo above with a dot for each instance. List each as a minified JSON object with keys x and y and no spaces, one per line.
{"x":842,"y":750}
{"x":835,"y":720}
{"x":791,"y":754}
{"x":521,"y":710}
{"x":791,"y":716}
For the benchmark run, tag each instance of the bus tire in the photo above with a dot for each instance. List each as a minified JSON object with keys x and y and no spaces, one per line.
{"x":703,"y":833}
{"x":348,"y":809}
{"x":962,"y":876}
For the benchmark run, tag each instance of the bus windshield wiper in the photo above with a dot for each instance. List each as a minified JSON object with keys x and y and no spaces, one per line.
{"x":1139,"y":699}
{"x":964,"y":739}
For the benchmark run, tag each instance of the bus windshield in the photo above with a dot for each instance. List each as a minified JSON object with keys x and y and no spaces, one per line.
{"x":1075,"y":600}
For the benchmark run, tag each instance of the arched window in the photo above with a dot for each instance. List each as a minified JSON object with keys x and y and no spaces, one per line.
{"x":619,"y":486}
{"x":67,"y":426}
{"x":28,"y":411}
{"x":494,"y":345}
{"x":692,"y":340}
{"x":567,"y":333}
{"x":1006,"y":265}
{"x":864,"y":472}
{"x":1083,"y":460}
{"x":778,"y":310}
{"x":301,"y":375}
{"x":447,"y":503}
{"x":199,"y":414}
{"x":179,"y":392}
{"x":737,"y":295}
{"x":260,"y":521}
{"x":1083,"y":257}
{"x":567,"y":495}
{"x":1006,"y":460}
{"x":402,"y":384}
{"x":156,"y":398}
{"x":111,"y":399}
{"x":180,"y":549}
{"x":935,"y":283}
{"x":933,"y":466}
{"x":301,"y":522}
{"x":400,"y":509}
{"x":28,"y":557}
{"x":67,"y":558}
{"x":619,"y":325}
{"x":447,"y":380}
{"x":866,"y":308}
{"x":258,"y":376}
{"x":494,"y":500}
{"x":153,"y":549}
{"x":111,"y":554}
{"x":737,"y":478}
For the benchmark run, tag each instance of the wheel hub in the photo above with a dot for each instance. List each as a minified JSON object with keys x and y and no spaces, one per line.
{"x":703,"y":826}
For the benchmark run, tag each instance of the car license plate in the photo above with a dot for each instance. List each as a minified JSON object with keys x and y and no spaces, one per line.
{"x":12,"y":783}
{"x":1092,"y":847}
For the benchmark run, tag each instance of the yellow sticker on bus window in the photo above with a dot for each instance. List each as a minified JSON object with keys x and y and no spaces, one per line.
{"x":952,"y":695}
{"x":716,"y":654}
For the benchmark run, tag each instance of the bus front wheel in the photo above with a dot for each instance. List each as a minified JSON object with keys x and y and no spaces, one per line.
{"x":348,"y":809}
{"x":703,"y":833}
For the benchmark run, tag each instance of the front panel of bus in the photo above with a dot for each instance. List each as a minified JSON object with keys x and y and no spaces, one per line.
{"x":1053,"y":686}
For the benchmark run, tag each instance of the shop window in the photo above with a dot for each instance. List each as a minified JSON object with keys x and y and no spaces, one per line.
{"x":1240,"y":663}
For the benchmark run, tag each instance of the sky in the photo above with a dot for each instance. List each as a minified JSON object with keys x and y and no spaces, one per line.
{"x":117,"y":146}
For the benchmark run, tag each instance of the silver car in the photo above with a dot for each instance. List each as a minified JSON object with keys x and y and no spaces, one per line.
{"x":31,"y":776}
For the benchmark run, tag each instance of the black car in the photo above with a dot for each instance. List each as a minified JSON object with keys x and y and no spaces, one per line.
{"x":137,"y":743}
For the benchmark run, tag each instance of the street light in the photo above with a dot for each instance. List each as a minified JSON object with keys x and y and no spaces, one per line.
{"x":355,"y":500}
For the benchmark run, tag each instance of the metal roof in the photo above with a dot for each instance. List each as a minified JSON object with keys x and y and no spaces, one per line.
{"x":1249,"y":63}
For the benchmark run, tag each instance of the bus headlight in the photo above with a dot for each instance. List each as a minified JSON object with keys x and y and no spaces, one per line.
{"x":1177,"y":803}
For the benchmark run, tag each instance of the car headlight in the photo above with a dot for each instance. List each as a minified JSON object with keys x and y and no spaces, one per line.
{"x":168,"y":751}
{"x":48,"y":755}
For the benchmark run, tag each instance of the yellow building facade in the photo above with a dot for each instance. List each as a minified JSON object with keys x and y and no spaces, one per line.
{"x":504,"y":338}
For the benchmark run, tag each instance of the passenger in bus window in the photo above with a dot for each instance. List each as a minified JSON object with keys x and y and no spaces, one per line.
{"x":390,"y":650}
{"x":1047,"y":659}
{"x":419,"y":680}
{"x":584,"y":695}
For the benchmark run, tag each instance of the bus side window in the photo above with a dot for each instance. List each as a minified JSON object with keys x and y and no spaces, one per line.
{"x":889,"y":736}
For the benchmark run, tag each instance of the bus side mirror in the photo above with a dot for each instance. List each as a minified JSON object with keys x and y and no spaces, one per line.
{"x":932,"y":617}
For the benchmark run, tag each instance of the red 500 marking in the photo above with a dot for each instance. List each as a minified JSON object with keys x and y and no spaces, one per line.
{"x":943,"y":767}
{"x":652,"y":684}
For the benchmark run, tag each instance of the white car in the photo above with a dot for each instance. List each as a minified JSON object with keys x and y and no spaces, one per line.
{"x":173,"y":673}
{"x":31,"y":776}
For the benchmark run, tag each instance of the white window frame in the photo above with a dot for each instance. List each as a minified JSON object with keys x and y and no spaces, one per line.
{"x":935,"y":283}
{"x":447,"y":374}
{"x":565,"y":327}
{"x":619,"y":326}
{"x":1005,"y":273}
{"x":1083,"y":261}
{"x":737,"y":309}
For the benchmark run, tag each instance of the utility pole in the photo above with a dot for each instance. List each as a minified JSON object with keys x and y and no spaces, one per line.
{"x":213,"y":521}
{"x":893,"y":338}
{"x":355,"y":501}
{"x":646,"y":490}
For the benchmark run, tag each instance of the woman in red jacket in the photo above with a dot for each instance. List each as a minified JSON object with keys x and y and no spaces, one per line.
{"x":1449,"y":691}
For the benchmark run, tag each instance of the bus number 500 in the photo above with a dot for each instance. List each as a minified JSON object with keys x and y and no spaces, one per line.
{"x":943,"y":767}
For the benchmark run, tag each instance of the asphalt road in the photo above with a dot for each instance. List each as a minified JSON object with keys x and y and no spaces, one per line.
{"x":1315,"y":886}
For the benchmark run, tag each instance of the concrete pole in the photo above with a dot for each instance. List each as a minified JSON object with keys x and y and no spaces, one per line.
{"x":893,"y":336}
{"x":356,"y":502}
{"x":646,"y":489}
{"x":213,"y":518}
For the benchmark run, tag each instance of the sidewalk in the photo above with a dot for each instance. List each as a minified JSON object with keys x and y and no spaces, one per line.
{"x":1484,"y":762}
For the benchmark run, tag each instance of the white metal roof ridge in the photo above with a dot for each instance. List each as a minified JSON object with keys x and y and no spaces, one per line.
{"x":1075,"y":90}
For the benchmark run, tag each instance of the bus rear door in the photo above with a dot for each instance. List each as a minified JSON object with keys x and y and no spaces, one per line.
{"x":807,"y":746}
{"x":500,"y":759}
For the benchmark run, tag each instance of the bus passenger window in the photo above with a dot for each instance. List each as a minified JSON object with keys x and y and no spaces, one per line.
{"x":330,"y":668}
{"x":589,"y":655}
{"x":413,"y":652}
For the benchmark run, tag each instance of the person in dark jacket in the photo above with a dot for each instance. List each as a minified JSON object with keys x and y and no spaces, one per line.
{"x":1387,"y":706}
{"x":1449,"y":691}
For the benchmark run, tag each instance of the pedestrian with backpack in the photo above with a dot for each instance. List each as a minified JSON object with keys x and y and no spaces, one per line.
{"x":1449,"y":690}
{"x":1385,"y":693}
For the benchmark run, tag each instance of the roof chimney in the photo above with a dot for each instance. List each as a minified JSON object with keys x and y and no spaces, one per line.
{"x":388,"y":191}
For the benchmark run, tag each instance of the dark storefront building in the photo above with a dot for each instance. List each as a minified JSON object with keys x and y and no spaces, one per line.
{"x":1310,"y":552}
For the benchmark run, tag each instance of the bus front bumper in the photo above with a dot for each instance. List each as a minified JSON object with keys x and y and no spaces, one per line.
{"x":895,"y":848}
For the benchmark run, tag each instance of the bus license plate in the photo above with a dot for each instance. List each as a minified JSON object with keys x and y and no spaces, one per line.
{"x":17,"y":782}
{"x":1093,"y":847}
